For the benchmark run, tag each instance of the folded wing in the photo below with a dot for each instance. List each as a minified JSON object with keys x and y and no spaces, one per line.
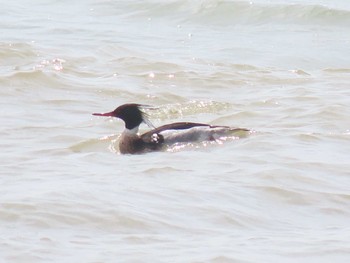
{"x":187,"y":132}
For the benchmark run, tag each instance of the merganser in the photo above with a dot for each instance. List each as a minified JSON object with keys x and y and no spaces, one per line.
{"x":131,"y":142}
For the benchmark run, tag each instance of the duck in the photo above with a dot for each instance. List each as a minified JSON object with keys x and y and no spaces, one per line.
{"x":131,"y":142}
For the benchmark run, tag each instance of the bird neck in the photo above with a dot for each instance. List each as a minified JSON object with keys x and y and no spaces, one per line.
{"x":131,"y":132}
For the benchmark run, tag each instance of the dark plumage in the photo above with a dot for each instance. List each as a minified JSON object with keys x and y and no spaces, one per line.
{"x":129,"y":113}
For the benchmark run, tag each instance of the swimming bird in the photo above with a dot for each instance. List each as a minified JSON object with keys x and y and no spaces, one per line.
{"x":131,"y":142}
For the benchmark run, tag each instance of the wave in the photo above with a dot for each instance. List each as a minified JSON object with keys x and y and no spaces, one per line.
{"x":227,"y":12}
{"x":222,"y":12}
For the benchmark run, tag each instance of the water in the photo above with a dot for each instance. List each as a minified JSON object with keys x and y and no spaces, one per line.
{"x":280,"y":68}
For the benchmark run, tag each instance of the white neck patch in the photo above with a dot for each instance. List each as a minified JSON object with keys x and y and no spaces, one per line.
{"x":133,"y":131}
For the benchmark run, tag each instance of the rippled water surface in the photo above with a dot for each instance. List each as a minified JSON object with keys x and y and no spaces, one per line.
{"x":279,"y":68}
